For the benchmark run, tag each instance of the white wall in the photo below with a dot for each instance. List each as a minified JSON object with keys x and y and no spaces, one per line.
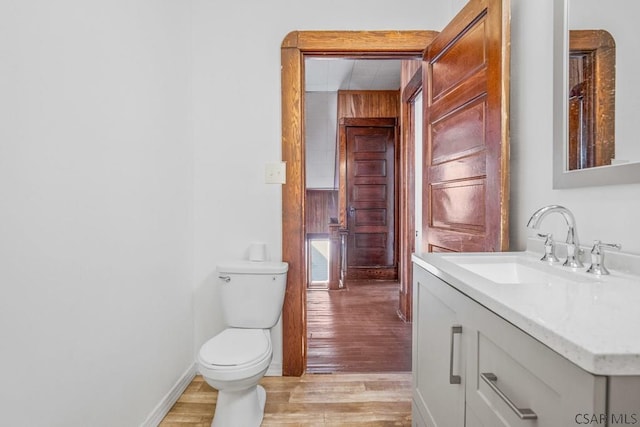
{"x":321,"y":110}
{"x":96,"y":182}
{"x":237,"y":118}
{"x":608,"y":213}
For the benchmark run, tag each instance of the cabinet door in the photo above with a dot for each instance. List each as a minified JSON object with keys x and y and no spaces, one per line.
{"x":514,"y":380}
{"x":438,"y":354}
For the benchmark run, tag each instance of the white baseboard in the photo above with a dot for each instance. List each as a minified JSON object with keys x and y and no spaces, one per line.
{"x":170,"y":398}
{"x":275,"y":370}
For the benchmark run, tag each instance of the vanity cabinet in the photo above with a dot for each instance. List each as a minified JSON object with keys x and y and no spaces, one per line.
{"x":438,"y":366}
{"x":473,"y":368}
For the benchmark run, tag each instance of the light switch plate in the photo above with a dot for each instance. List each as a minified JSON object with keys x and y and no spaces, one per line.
{"x":275,"y":173}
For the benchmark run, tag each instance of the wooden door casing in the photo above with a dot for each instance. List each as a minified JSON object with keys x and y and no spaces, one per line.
{"x":592,"y":81}
{"x":371,"y":202}
{"x":466,"y":155}
{"x":410,"y":88}
{"x":295,"y":46}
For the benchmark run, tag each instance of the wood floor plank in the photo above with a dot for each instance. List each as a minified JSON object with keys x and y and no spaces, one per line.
{"x":377,"y":399}
{"x":357,"y":330}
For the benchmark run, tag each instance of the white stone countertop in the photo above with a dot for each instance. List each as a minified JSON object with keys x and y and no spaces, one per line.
{"x":594,"y":321}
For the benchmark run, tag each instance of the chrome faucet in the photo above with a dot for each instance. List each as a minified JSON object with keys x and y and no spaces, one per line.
{"x":597,"y":257}
{"x":573,"y":245}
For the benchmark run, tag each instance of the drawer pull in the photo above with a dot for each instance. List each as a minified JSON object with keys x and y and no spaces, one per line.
{"x":454,"y":379}
{"x":523,"y":413}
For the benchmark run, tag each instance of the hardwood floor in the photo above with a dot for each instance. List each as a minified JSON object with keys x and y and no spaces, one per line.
{"x":382,"y":399}
{"x":357,"y":330}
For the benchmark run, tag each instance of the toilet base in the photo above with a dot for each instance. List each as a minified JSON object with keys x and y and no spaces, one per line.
{"x":244,"y":408}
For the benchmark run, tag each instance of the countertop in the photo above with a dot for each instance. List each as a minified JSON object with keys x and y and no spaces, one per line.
{"x":594,"y":321}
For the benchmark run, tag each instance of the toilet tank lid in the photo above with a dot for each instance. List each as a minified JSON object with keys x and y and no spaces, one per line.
{"x":253,"y":267}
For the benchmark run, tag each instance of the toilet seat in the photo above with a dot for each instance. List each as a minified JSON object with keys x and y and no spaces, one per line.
{"x":235,"y":353}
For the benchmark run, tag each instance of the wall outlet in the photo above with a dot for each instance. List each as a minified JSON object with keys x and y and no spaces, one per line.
{"x":275,"y":173}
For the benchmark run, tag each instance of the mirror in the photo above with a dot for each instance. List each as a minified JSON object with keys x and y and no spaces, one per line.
{"x":606,"y":149}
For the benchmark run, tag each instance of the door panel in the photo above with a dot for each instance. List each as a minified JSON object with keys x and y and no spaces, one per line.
{"x":466,"y":153}
{"x":371,"y":198}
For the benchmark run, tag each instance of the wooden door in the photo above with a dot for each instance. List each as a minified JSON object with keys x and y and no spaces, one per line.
{"x":466,"y":155}
{"x":370,"y":198}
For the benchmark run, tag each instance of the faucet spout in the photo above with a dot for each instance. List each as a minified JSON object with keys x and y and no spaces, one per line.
{"x":573,"y":244}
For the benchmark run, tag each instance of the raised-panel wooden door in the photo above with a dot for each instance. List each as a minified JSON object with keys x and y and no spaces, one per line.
{"x":466,"y":153}
{"x":371,"y":198}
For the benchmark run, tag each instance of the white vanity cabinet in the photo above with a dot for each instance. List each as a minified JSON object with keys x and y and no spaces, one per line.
{"x":473,"y":368}
{"x":437,"y":355}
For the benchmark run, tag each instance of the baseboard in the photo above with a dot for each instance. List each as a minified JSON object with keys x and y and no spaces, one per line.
{"x":159,"y":412}
{"x":275,"y":370}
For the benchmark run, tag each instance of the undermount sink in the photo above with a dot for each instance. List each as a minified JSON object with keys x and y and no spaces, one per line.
{"x":506,"y":272}
{"x":506,"y":268}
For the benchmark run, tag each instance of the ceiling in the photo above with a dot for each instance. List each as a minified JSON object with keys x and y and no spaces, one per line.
{"x":332,"y":74}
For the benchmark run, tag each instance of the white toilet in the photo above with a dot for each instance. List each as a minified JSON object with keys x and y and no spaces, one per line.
{"x":234,"y":361}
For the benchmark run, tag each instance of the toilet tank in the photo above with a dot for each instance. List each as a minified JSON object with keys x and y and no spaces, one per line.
{"x":252,"y":293}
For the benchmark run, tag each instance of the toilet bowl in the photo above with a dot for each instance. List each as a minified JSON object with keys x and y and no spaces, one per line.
{"x":234,"y":361}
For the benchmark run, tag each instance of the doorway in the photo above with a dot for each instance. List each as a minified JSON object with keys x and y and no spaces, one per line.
{"x":295,"y":47}
{"x":371,"y":203}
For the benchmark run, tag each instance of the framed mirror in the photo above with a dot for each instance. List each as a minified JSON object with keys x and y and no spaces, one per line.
{"x":596,"y":97}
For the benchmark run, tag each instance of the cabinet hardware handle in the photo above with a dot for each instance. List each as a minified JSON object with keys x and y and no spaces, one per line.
{"x":225,"y":279}
{"x":523,"y":413}
{"x":454,"y":379}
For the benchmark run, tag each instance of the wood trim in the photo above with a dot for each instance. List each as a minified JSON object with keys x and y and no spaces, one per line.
{"x":406,"y":174}
{"x":602,"y":46}
{"x":297,"y":44}
{"x":372,"y":121}
{"x":293,"y":214}
{"x":380,"y":44}
{"x":412,"y":87}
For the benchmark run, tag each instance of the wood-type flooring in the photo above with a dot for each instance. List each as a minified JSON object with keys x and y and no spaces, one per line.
{"x":358,"y":367}
{"x":338,"y":400}
{"x":357,"y":330}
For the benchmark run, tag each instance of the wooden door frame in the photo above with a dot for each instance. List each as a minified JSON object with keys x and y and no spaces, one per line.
{"x":407,"y":191}
{"x":295,"y":46}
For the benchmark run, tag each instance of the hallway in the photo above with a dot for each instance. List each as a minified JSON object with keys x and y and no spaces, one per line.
{"x":357,"y":330}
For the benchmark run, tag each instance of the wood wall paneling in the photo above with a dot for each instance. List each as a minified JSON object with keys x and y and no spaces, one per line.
{"x":368,"y":103}
{"x":321,"y":205}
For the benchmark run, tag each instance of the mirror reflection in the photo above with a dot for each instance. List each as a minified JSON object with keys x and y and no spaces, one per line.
{"x":603,"y":94}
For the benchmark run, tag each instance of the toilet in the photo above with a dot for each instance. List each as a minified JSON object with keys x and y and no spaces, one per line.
{"x":234,"y":361}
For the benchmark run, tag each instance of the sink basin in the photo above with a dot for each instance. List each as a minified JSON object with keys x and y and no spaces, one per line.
{"x":507,"y":272}
{"x":508,"y":268}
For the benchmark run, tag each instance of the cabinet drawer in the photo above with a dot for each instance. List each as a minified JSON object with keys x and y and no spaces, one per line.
{"x":514,"y":380}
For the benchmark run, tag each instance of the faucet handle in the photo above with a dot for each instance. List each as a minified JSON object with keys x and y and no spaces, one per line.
{"x":597,"y":256}
{"x":549,"y":249}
